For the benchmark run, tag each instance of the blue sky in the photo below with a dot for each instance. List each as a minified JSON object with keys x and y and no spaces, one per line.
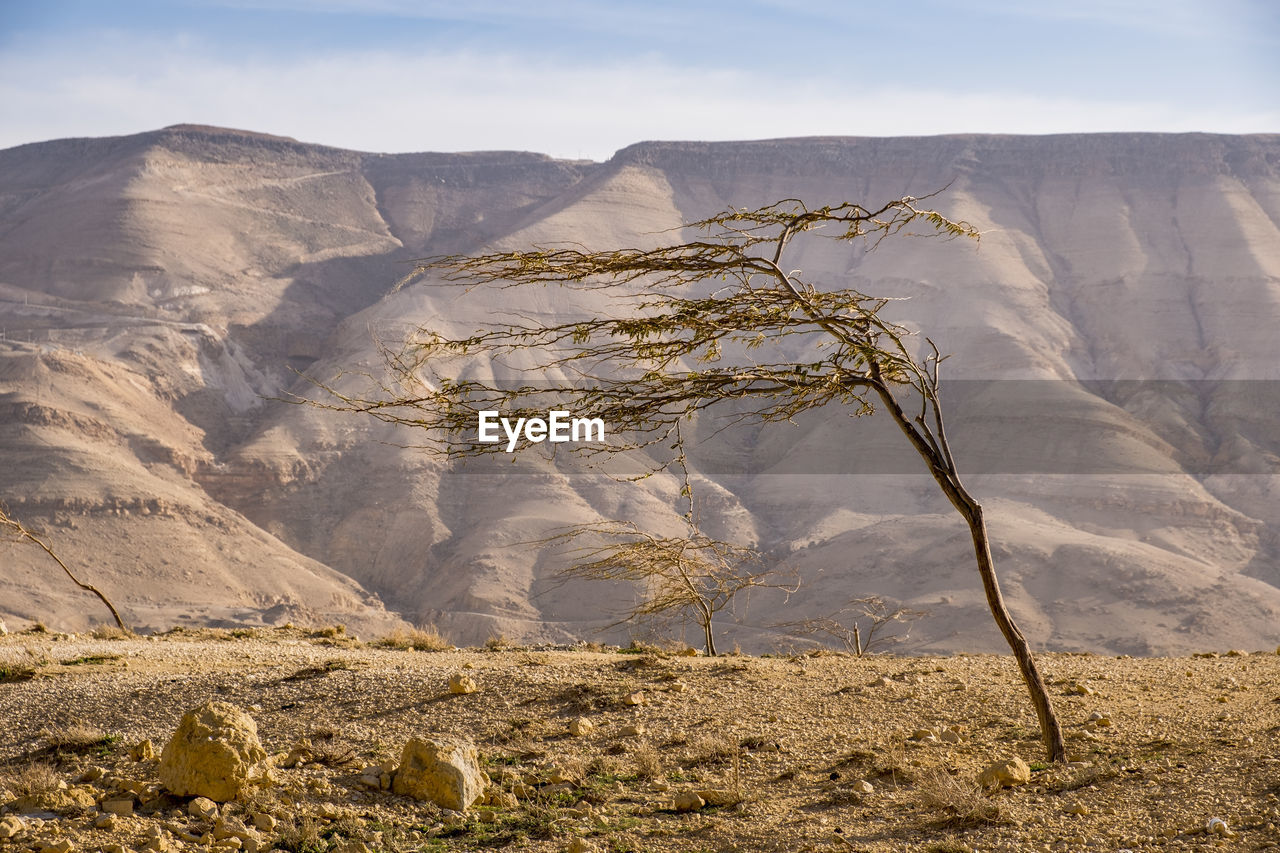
{"x":582,"y":78}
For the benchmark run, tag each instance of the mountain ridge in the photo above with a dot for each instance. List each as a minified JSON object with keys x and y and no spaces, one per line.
{"x":187,"y":271}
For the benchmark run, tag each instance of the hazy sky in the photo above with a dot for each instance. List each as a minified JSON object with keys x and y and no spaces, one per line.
{"x":582,"y":78}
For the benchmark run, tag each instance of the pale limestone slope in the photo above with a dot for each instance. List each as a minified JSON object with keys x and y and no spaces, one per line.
{"x":1128,"y":516}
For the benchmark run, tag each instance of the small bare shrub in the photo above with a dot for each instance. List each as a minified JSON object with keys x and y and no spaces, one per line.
{"x":425,"y":639}
{"x":20,"y":664}
{"x":109,"y":632}
{"x":302,"y":836}
{"x":711,"y":750}
{"x":959,"y":801}
{"x":76,"y":737}
{"x":647,"y":761}
{"x":33,"y":780}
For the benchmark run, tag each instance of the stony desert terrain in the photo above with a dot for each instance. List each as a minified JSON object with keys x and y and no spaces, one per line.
{"x":805,"y":752}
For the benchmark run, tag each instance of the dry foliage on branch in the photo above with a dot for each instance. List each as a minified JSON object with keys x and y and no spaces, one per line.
{"x":862,"y":625}
{"x":692,"y":575}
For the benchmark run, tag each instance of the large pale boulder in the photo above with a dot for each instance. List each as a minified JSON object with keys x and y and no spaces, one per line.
{"x":445,"y":771}
{"x":215,"y":753}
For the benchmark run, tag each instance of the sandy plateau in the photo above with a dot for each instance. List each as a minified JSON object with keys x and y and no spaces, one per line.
{"x":812,"y":752}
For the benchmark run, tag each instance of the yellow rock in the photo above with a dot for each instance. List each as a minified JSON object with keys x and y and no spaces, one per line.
{"x":215,"y":753}
{"x":445,"y":771}
{"x":1005,"y":774}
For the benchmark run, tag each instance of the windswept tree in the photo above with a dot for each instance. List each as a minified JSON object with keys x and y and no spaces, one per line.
{"x":861,"y":625}
{"x":696,"y":325}
{"x":16,"y":531}
{"x":691,"y":575}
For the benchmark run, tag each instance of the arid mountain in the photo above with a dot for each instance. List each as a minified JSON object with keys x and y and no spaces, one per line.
{"x":1114,"y":392}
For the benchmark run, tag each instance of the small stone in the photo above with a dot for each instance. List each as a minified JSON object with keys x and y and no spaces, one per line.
{"x":923,"y":734}
{"x":460,"y":683}
{"x":862,"y":786}
{"x":122,"y":806}
{"x":880,"y":682}
{"x":202,"y":808}
{"x":264,"y":821}
{"x":1237,"y":653}
{"x":11,"y":827}
{"x":678,"y":687}
{"x":500,"y":799}
{"x":688,"y":801}
{"x":1078,"y":809}
{"x":299,"y":755}
{"x":352,"y":846}
{"x":1218,"y":826}
{"x":633,"y":699}
{"x":62,"y":845}
{"x":580,"y":726}
{"x":558,"y":776}
{"x":1079,"y":690}
{"x":636,"y":730}
{"x":114,"y":848}
{"x":91,"y":774}
{"x":156,"y":843}
{"x":580,"y":845}
{"x":444,"y":770}
{"x":105,"y":821}
{"x":951,"y":736}
{"x":1005,"y":774}
{"x":143,"y":751}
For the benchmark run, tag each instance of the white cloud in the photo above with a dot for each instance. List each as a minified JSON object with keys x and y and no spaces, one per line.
{"x":382,"y":101}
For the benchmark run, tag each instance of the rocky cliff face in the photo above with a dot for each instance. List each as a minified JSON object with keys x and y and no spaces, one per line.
{"x":1114,"y":396}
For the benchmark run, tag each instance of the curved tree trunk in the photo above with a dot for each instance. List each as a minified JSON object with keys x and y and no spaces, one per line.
{"x":1050,"y":730}
{"x":933,"y":449}
{"x":23,"y":533}
{"x":711,"y":641}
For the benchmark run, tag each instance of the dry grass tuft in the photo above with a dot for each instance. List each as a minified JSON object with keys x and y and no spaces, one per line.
{"x":109,"y":632}
{"x":711,"y":750}
{"x":1061,"y":782}
{"x":302,"y":836}
{"x":20,"y":664}
{"x":948,"y":845}
{"x":425,"y":639}
{"x":959,"y":801}
{"x":34,"y":780}
{"x":76,"y":737}
{"x":647,"y":761}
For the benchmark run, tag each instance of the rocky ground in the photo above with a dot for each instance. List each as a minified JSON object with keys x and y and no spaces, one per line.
{"x":605,"y":749}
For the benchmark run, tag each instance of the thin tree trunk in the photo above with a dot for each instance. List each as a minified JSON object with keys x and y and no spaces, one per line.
{"x":1050,"y":730}
{"x":710,"y":638}
{"x":85,"y":586}
{"x":937,"y":456}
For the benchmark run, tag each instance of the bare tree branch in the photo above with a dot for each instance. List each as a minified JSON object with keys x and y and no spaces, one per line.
{"x":17,"y":532}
